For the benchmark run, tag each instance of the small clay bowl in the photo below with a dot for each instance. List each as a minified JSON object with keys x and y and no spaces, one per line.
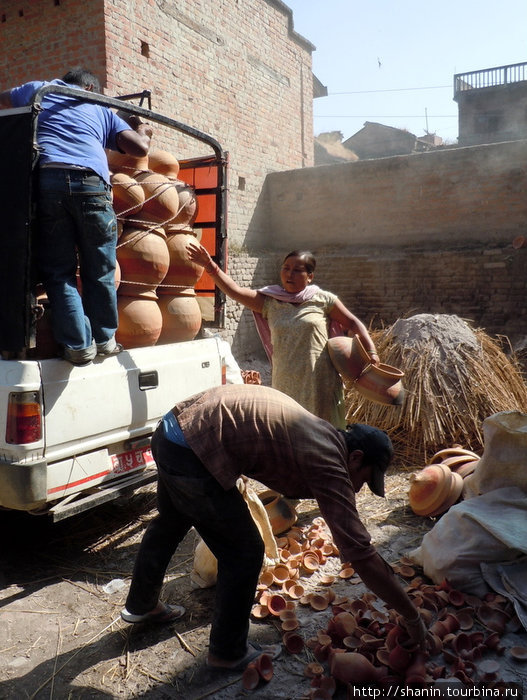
{"x":518,"y":653}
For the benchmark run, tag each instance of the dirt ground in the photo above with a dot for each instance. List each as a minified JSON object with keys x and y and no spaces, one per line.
{"x":61,"y":635}
{"x":62,"y":588}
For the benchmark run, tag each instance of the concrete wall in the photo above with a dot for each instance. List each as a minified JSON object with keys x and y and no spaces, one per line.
{"x":446,"y":197}
{"x":427,"y":233}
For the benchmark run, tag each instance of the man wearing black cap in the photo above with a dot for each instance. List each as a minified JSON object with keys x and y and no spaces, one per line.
{"x":202,"y":446}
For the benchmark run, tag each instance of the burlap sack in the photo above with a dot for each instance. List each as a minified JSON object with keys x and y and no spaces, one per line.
{"x":504,"y":460}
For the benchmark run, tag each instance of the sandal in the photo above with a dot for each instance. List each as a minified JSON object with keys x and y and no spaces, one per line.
{"x":254,"y":650}
{"x":169,"y":613}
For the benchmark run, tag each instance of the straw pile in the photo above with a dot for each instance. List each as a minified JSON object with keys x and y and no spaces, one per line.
{"x":455,"y":376}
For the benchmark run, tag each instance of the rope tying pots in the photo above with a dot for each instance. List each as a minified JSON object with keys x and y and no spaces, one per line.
{"x":144,"y":259}
{"x":128,"y":195}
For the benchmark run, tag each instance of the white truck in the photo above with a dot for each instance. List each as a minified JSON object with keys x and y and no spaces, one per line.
{"x":73,"y":437}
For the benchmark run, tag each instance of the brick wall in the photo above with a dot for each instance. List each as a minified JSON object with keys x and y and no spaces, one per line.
{"x":485,"y":284}
{"x":234,"y":70}
{"x":42,"y":39}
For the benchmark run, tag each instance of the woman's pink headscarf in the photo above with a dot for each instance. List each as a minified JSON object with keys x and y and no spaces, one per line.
{"x":279,"y":293}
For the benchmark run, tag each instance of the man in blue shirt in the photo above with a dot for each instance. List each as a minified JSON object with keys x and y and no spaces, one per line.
{"x":76,"y":221}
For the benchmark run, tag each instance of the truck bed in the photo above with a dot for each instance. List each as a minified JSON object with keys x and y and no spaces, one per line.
{"x":97,"y":419}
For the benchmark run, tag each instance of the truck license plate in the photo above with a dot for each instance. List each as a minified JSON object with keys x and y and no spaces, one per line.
{"x":134,"y":459}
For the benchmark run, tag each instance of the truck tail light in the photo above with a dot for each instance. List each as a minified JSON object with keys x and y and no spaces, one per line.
{"x":24,"y":418}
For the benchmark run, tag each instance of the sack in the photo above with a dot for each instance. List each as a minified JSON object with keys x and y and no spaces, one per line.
{"x":504,"y":460}
{"x":488,"y":528}
{"x":205,"y":568}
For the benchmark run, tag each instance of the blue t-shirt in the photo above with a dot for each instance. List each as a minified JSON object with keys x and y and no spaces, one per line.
{"x":172,"y":430}
{"x":70,"y":131}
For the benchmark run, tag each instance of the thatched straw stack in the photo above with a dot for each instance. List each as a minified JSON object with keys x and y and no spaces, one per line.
{"x":455,"y":377}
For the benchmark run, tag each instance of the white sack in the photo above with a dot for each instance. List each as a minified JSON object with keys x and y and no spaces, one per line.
{"x":487,"y":528}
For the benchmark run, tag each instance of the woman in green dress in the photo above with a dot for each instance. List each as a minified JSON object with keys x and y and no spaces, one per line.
{"x":295,"y":320}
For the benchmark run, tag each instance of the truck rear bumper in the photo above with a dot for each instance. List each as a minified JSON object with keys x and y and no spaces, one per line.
{"x":23,"y":485}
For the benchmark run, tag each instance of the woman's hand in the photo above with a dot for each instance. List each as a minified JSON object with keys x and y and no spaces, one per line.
{"x":375,"y":360}
{"x":198,"y":254}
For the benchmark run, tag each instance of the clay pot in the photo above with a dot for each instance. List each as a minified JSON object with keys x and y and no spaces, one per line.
{"x":250,"y":677}
{"x":275,"y":604}
{"x":457,"y":598}
{"x":399,"y":658}
{"x":443,"y":455}
{"x":260,"y":611}
{"x":123,"y":163}
{"x":181,"y":318}
{"x":143,"y":259}
{"x":161,"y":198}
{"x":348,"y":356}
{"x":280,"y":573}
{"x":140,"y":322}
{"x":310,"y":562}
{"x":318,"y":602}
{"x":381,"y":384}
{"x":313,"y":669}
{"x":128,"y":195}
{"x":281,"y":513}
{"x":188,"y":208}
{"x":266,"y":578}
{"x":293,"y":642}
{"x":351,"y":667}
{"x":346,"y":572}
{"x":434,"y":489}
{"x":342,"y":625}
{"x":264,"y":666}
{"x":518,"y":653}
{"x":182,"y":273}
{"x":492,"y":618}
{"x":163,"y":162}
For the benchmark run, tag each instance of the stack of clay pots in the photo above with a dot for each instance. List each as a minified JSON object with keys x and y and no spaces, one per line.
{"x":156,"y":298}
{"x":436,"y":487}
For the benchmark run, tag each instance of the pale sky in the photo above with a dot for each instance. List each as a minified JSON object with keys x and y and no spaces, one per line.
{"x":398,"y":59}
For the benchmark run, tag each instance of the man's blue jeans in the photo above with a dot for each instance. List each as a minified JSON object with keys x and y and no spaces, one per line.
{"x":75,"y":217}
{"x":187,"y":495}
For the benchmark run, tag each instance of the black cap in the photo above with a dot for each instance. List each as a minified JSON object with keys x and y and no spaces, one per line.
{"x":378,"y":452}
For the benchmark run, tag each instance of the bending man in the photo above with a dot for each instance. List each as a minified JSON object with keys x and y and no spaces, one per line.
{"x":201,"y":447}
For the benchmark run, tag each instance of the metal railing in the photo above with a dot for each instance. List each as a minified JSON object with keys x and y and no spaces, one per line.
{"x":490,"y":77}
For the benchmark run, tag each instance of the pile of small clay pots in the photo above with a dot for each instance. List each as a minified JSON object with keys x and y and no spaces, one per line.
{"x":363,"y":643}
{"x":439,"y":485}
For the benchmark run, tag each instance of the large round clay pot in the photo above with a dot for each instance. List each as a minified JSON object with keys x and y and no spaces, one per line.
{"x":140,"y":322}
{"x":128,"y":194}
{"x":181,"y":318}
{"x":161,"y":198}
{"x":348,"y":356}
{"x":351,"y":667}
{"x":188,"y":208}
{"x":280,"y":512}
{"x":144,"y":259}
{"x":123,"y":163}
{"x":429,"y":488}
{"x":182,"y":273}
{"x":381,"y":384}
{"x":163,"y":162}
